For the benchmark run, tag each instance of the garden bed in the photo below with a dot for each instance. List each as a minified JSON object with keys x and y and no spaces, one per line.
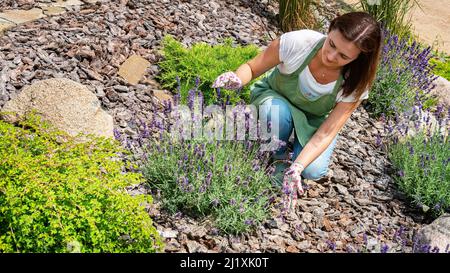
{"x":357,"y":207}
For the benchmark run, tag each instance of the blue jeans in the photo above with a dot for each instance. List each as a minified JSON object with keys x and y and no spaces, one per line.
{"x":316,"y":169}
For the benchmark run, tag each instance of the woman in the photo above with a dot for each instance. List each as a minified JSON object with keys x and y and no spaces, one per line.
{"x":317,"y":82}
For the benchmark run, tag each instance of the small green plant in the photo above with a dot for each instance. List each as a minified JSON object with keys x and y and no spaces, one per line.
{"x":58,"y":194}
{"x":442,"y":65}
{"x":206,"y":62}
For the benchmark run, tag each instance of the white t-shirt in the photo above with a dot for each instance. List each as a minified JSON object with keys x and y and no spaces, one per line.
{"x":294,"y":48}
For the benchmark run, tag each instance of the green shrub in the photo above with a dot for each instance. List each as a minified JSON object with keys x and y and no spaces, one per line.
{"x":60,"y":195}
{"x":424,"y":174}
{"x":205,"y":62}
{"x":442,"y":66}
{"x":422,"y":158}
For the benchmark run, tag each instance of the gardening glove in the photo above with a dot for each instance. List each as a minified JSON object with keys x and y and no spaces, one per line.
{"x":292,"y":185}
{"x":228,"y":80}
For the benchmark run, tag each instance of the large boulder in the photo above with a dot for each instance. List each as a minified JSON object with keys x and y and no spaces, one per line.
{"x":66,"y":104}
{"x":437,"y":234}
{"x":442,"y":91}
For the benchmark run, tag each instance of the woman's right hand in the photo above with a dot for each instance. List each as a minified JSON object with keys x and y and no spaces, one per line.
{"x":228,"y":80}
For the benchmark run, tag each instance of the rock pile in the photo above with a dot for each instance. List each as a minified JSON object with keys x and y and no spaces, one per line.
{"x":355,"y":206}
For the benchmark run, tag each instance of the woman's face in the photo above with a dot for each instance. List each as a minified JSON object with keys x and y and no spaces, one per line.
{"x":338,"y":51}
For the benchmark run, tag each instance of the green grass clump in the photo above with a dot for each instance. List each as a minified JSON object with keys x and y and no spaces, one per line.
{"x":442,"y":66}
{"x":204,"y":62}
{"x":295,"y":15}
{"x":61,"y":195}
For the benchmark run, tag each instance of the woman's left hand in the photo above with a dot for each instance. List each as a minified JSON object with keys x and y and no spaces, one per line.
{"x":292,"y":185}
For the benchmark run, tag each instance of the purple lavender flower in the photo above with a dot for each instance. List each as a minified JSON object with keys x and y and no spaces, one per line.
{"x":255,"y":166}
{"x":384,"y":248}
{"x":117,"y":134}
{"x":248,"y":222}
{"x":331,"y":245}
{"x":238,"y":180}
{"x":208,"y":178}
{"x":378,"y":140}
{"x":191,"y":99}
{"x":176,"y":99}
{"x":218,"y":93}
{"x":349,"y":249}
{"x":197,"y":82}
{"x":437,"y":207}
{"x":379,"y":229}
{"x":215,"y":202}
{"x":411,"y":150}
{"x":426,"y":248}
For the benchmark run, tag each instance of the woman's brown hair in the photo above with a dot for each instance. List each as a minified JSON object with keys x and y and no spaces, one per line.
{"x":365,"y":32}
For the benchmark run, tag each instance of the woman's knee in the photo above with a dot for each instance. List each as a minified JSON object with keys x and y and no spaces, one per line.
{"x":277,"y":106}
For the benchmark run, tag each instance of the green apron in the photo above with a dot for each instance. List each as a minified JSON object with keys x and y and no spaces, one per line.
{"x":307,"y":115}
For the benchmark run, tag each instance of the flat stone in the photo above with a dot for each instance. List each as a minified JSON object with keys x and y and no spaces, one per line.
{"x":292,"y":249}
{"x":304,"y":245}
{"x":436,"y":234}
{"x":168,"y":233}
{"x":341,"y":189}
{"x":172,"y":246}
{"x":133,"y":69}
{"x":4,"y":25}
{"x":162,"y":95}
{"x":66,"y":3}
{"x":22,"y":16}
{"x":194,"y":247}
{"x":53,"y":11}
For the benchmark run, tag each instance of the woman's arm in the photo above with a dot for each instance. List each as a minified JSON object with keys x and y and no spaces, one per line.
{"x":323,"y":137}
{"x":260,"y":64}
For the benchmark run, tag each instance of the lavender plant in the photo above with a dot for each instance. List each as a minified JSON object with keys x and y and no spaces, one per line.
{"x":404,"y":77}
{"x":227,"y":179}
{"x":419,"y":150}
